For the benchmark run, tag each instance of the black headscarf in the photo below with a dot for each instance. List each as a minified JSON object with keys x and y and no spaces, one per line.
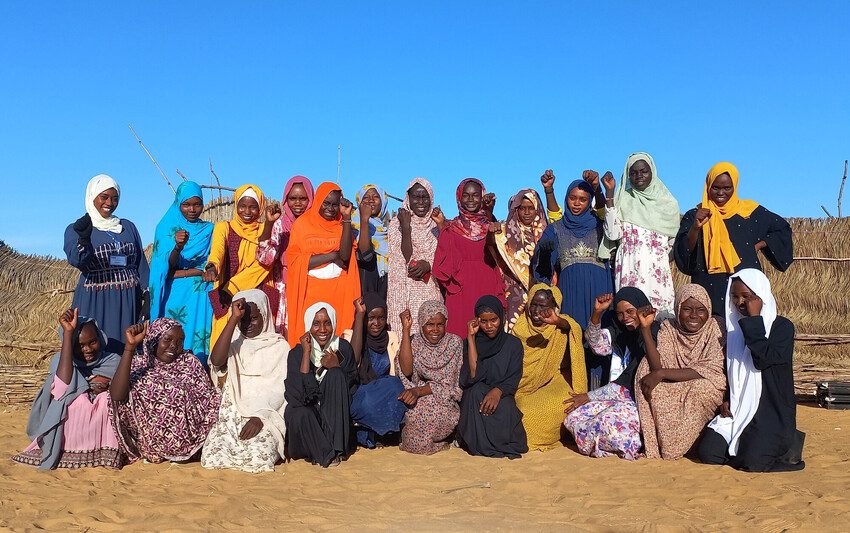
{"x":486,"y":346}
{"x":622,"y":338}
{"x":371,"y":301}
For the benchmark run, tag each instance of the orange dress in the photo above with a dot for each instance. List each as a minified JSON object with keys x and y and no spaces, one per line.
{"x":313,"y":235}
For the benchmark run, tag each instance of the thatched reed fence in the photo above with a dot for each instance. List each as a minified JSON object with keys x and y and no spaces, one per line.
{"x":814,"y":294}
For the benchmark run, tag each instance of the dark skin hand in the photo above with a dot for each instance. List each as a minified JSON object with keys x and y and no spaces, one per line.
{"x":251,"y":428}
{"x":375,"y":323}
{"x":181,"y":237}
{"x":438,"y":217}
{"x":744,"y":299}
{"x":548,"y":182}
{"x":592,"y":179}
{"x":601,"y":304}
{"x":88,"y":346}
{"x":610,"y":184}
{"x":433,"y":331}
{"x":246,"y":316}
{"x":335,"y":207}
{"x":366,"y":208}
{"x":133,"y":336}
{"x":106,"y":202}
{"x":575,"y":401}
{"x":273,"y":214}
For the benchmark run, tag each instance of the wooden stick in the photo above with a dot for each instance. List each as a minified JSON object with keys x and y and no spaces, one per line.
{"x":827,"y":212}
{"x":841,"y":189}
{"x":219,"y":187}
{"x":396,"y":198}
{"x":152,"y":158}
{"x":216,"y":178}
{"x":837,"y":259}
{"x":181,"y":175}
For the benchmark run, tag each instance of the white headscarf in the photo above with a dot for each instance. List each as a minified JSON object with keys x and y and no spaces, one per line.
{"x":744,"y":378}
{"x":258,"y":369}
{"x":317,"y":352}
{"x":249,"y":193}
{"x":97,"y":185}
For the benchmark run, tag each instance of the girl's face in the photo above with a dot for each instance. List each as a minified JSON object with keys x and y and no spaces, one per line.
{"x":578,"y":201}
{"x":741,"y":294}
{"x":372,"y":198}
{"x":526,"y":212}
{"x":248,"y":210}
{"x":538,"y":305}
{"x":627,"y":315}
{"x":640,"y":175}
{"x":330,"y":207}
{"x":490,"y":323}
{"x":692,"y":315}
{"x":470,"y":197}
{"x":88,"y":344}
{"x":376,"y":321}
{"x":420,"y":201}
{"x":170,"y":345}
{"x":297,"y":199}
{"x":721,"y":189}
{"x":322,"y":328}
{"x":192,"y":208}
{"x":435,"y":329}
{"x":106,"y":202}
{"x":251,"y":324}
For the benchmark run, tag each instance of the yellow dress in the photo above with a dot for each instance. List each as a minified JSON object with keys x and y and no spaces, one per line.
{"x":543,"y":387}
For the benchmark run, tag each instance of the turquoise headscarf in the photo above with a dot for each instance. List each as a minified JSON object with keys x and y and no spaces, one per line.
{"x":377,"y":227}
{"x":183,"y":299}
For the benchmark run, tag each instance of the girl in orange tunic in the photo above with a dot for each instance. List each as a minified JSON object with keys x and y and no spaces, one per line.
{"x":320,"y":259}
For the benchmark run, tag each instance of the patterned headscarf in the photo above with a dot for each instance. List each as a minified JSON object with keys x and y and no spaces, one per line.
{"x":434,"y":356}
{"x":517,"y":241}
{"x":469,"y":225}
{"x":377,"y":226}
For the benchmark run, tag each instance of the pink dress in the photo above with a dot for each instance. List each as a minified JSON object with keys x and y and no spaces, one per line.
{"x":271,"y":253}
{"x":467,"y":272}
{"x":87,"y":433}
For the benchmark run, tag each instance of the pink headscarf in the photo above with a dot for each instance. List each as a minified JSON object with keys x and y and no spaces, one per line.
{"x":288,"y":217}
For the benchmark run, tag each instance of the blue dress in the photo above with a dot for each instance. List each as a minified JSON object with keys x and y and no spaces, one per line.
{"x":375,"y":407}
{"x":108,"y":292}
{"x":582,"y":276}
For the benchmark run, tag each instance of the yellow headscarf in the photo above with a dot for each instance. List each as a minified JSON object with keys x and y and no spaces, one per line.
{"x":251,"y":231}
{"x":720,"y":254}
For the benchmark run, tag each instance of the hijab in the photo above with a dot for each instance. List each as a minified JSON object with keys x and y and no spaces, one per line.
{"x":421,"y":228}
{"x":434,"y":356}
{"x":316,"y":351}
{"x":287,"y":217}
{"x":377,"y":344}
{"x":97,"y":185}
{"x":654,"y":208}
{"x":469,"y":225}
{"x":720,"y":254}
{"x":249,"y":231}
{"x":195,"y":252}
{"x":48,"y":414}
{"x":744,"y":378}
{"x":256,"y":386}
{"x":581,"y":224}
{"x":486,"y":346}
{"x":517,"y":241}
{"x":377,"y":226}
{"x":546,"y":345}
{"x":172,"y":406}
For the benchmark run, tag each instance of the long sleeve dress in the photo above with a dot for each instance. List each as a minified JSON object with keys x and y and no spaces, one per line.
{"x":113,"y":275}
{"x":318,"y":413}
{"x":762,"y":225}
{"x":500,"y":434}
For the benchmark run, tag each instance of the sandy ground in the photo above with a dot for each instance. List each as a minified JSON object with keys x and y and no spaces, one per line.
{"x":389,"y":490}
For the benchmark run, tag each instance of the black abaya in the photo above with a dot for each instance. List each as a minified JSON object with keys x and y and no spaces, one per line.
{"x":762,"y":225}
{"x":317,"y":415}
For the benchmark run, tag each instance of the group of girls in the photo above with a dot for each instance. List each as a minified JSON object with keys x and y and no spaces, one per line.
{"x":288,"y":331}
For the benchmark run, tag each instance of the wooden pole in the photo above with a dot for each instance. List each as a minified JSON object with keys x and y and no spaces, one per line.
{"x":152,"y":158}
{"x":214,"y":175}
{"x":827,"y":212}
{"x":181,"y":175}
{"x":841,"y":189}
{"x":219,"y":187}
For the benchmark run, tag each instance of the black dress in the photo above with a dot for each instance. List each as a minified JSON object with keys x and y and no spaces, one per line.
{"x":317,"y":415}
{"x":770,"y":442}
{"x":370,"y":278}
{"x":744,"y":233}
{"x":502,"y":433}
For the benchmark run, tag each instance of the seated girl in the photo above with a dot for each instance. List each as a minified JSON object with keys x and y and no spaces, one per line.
{"x":604,"y":421}
{"x":429,"y":365}
{"x":756,"y":429}
{"x":681,"y":379}
{"x":375,"y":407}
{"x":251,"y":360}
{"x":553,"y":366}
{"x":320,"y":381}
{"x":490,"y":422}
{"x":163,"y":402}
{"x":69,"y":422}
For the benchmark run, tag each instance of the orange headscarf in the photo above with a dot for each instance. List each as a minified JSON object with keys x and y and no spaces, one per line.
{"x":720,"y":254}
{"x":313,"y":235}
{"x":249,"y":231}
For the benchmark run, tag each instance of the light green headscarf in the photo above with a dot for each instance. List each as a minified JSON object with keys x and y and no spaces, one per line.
{"x":653,"y":208}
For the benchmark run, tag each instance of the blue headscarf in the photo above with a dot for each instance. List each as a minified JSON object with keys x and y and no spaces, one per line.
{"x":183,"y":299}
{"x":580,"y":225}
{"x":378,"y":226}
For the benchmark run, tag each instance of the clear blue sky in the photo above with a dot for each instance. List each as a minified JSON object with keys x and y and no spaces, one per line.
{"x":444,"y":90}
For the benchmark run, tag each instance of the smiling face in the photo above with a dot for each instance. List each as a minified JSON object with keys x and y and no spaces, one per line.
{"x":692,"y":315}
{"x":330,"y":207}
{"x":740,"y":294}
{"x":192,"y":208}
{"x":376,"y":321}
{"x":248,"y":210}
{"x":170,"y":345}
{"x":542,"y":300}
{"x":525,"y":212}
{"x":578,"y":201}
{"x":420,"y":201}
{"x":490,"y":323}
{"x":721,"y":189}
{"x":627,"y":315}
{"x":640,"y":175}
{"x":470,"y":197}
{"x":322,"y":328}
{"x":106,"y":202}
{"x":88,"y":344}
{"x":251,"y":324}
{"x":372,"y":198}
{"x":297,"y":199}
{"x":435,"y":329}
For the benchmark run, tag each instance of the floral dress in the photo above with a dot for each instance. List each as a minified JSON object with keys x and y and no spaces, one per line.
{"x":642,"y":261}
